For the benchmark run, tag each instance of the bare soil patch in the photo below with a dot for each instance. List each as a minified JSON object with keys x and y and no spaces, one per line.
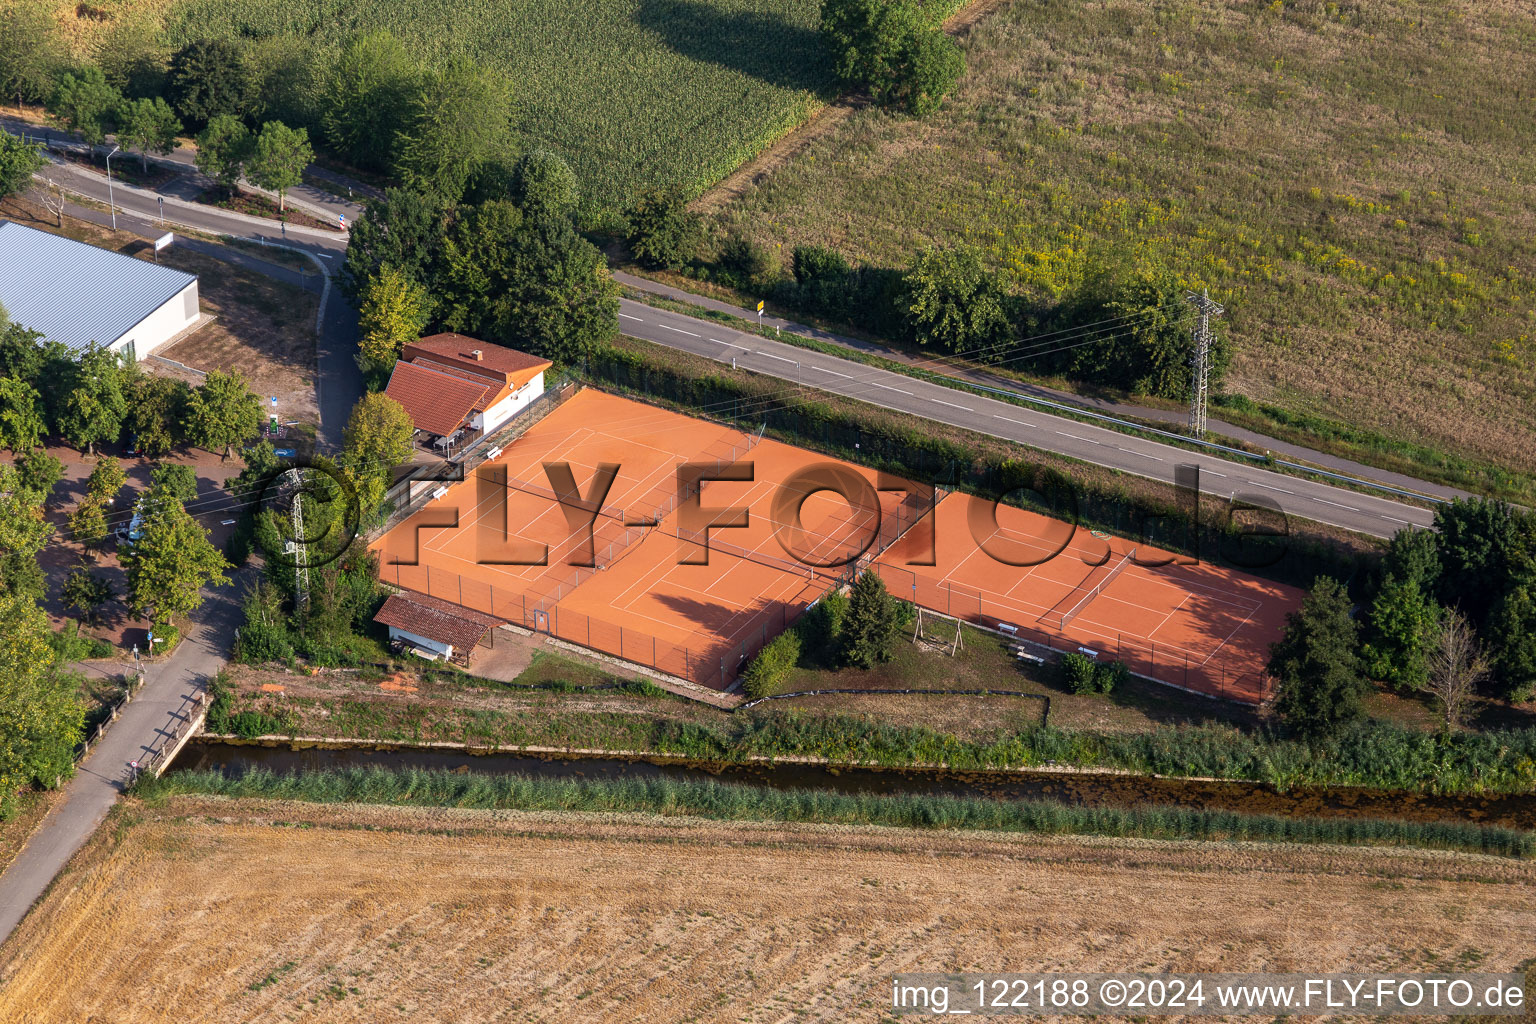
{"x":375,"y":914}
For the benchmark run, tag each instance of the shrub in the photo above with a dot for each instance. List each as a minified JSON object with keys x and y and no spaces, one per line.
{"x":765,"y":675}
{"x":814,"y":263}
{"x":1110,"y":674}
{"x":167,"y":637}
{"x":258,"y":642}
{"x":744,"y":261}
{"x":873,"y":623}
{"x":1077,"y":672}
{"x":642,"y":688}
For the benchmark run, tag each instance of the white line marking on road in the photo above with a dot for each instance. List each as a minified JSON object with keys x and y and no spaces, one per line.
{"x":782,"y":359}
{"x":1335,"y":504}
{"x":952,"y":405}
{"x":1397,"y":520}
{"x":1010,"y":419}
{"x":1130,"y":451}
{"x":876,"y":384}
{"x":823,"y":369}
{"x":626,"y":316}
{"x":679,"y":330}
{"x":1272,"y":487}
{"x":1212,"y":472}
{"x":727,"y":344}
{"x":1074,"y":437}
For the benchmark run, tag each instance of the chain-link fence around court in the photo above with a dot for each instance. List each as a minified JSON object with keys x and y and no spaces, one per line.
{"x":713,"y":665}
{"x":1229,"y":678}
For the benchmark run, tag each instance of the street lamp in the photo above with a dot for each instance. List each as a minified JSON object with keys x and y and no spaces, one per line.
{"x":110,"y":201}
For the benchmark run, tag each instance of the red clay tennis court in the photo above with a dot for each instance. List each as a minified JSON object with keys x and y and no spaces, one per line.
{"x":1042,"y":580}
{"x":502,"y":542}
{"x":639,"y":598}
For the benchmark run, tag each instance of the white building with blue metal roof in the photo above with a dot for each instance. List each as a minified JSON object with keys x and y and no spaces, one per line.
{"x":75,"y":293}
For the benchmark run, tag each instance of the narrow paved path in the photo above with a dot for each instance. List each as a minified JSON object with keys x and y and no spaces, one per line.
{"x":144,"y":725}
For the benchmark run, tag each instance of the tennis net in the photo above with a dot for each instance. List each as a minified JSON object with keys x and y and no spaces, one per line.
{"x":1097,"y":589}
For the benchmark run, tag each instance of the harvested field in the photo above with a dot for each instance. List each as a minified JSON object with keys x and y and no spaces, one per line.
{"x":386,"y":914}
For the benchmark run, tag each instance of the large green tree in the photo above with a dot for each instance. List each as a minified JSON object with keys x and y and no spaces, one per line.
{"x":209,"y":77}
{"x":150,"y":126}
{"x":535,"y":285}
{"x":376,"y":440}
{"x":85,"y":102}
{"x":28,"y":52}
{"x":223,"y":150}
{"x":24,"y":531}
{"x":872,"y":624}
{"x":41,"y":718}
{"x":1481,"y":556}
{"x":367,"y":95}
{"x":1512,"y":643}
{"x":88,"y":523}
{"x":663,"y":232}
{"x":94,"y":406}
{"x":157,"y":410}
{"x":223,"y":412}
{"x":889,"y":48}
{"x":953,"y":302}
{"x":1316,"y":666}
{"x":106,"y":481}
{"x":171,"y":563}
{"x":393,"y":312}
{"x":543,"y":185}
{"x":404,"y":230}
{"x":460,"y":117}
{"x":21,"y":417}
{"x":18,"y":162}
{"x":1403,"y":626}
{"x":278,"y":159}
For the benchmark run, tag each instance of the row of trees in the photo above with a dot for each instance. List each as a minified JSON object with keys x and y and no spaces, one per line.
{"x":1124,"y":326}
{"x":503,"y":263}
{"x":94,"y":396}
{"x":371,"y":102}
{"x":1451,"y":613}
{"x":273,"y":157}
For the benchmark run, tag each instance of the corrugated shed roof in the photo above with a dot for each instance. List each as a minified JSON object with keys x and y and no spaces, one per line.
{"x":437,"y":402}
{"x":435,"y":619}
{"x":76,"y":293}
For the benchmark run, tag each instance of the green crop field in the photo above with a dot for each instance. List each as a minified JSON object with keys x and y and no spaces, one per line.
{"x":633,"y":93}
{"x":1354,"y":179}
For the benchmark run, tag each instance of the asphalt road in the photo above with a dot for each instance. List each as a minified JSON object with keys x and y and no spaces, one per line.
{"x":340,"y":382}
{"x":1295,"y":496}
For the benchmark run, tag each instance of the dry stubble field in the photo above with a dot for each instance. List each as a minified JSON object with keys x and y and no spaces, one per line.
{"x":226,"y":911}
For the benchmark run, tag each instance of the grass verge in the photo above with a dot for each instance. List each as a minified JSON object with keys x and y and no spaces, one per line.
{"x":725,"y":802}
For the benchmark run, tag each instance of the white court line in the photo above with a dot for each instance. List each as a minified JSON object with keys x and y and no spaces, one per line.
{"x":782,"y":359}
{"x":952,"y":405}
{"x":1010,"y":419}
{"x":679,"y":330}
{"x":626,"y":316}
{"x":1335,"y":504}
